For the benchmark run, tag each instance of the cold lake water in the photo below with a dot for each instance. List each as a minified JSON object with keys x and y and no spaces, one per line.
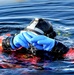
{"x":15,"y":15}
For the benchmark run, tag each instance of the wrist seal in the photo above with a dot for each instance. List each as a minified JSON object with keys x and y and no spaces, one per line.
{"x":59,"y":49}
{"x":6,"y":43}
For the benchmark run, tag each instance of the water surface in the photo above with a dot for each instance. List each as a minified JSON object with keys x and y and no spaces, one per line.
{"x":17,"y":14}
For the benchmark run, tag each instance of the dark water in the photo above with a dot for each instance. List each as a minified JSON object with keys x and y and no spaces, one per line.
{"x":17,"y":14}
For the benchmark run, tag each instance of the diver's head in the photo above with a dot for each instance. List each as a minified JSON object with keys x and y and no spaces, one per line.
{"x":41,"y":26}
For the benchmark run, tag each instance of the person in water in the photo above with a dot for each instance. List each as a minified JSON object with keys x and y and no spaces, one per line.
{"x":36,"y":41}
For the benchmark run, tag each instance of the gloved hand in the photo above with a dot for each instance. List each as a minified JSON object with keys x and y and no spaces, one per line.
{"x":19,"y":41}
{"x":41,"y":42}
